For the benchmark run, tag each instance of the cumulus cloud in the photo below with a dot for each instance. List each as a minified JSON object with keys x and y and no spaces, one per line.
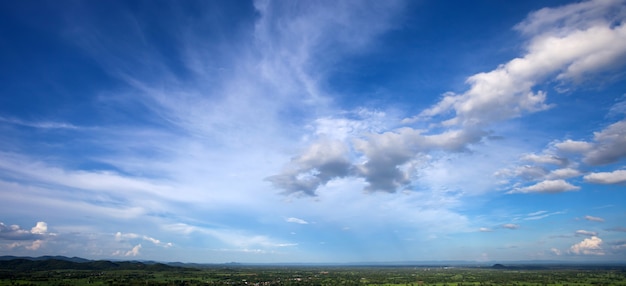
{"x":15,"y":232}
{"x":571,"y":146}
{"x":40,"y":228}
{"x":317,"y":165}
{"x":615,"y":177}
{"x":610,"y":145}
{"x":485,"y":229}
{"x":581,"y":232}
{"x":296,"y":220}
{"x":530,"y":172}
{"x":134,"y":251}
{"x":576,"y":43}
{"x":564,"y":173}
{"x":32,"y":239}
{"x":386,"y":159}
{"x":589,"y":246}
{"x":387,"y":152}
{"x":547,"y":186}
{"x":510,"y":226}
{"x":387,"y":156}
{"x":606,"y":147}
{"x":537,"y":173}
{"x":545,"y":159}
{"x":594,"y":218}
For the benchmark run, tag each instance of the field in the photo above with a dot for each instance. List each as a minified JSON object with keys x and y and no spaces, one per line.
{"x":319,"y":275}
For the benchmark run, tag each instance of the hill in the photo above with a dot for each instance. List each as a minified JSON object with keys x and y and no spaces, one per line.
{"x":24,"y":264}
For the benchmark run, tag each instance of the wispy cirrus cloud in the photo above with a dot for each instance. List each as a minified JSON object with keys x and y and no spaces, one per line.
{"x":594,"y":218}
{"x":582,"y":232}
{"x":510,"y":226}
{"x":617,"y":228}
{"x":39,"y":124}
{"x":296,"y":220}
{"x":547,"y":186}
{"x":541,"y":215}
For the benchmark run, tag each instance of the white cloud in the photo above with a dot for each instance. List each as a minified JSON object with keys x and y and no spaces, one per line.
{"x":31,"y":240}
{"x":615,"y":177}
{"x":355,"y":123}
{"x":35,"y":245}
{"x":15,"y":232}
{"x":385,"y":153}
{"x":571,"y":146}
{"x":541,"y":215}
{"x":318,"y":164}
{"x":121,"y":237}
{"x":589,"y":246}
{"x":40,"y":124}
{"x":388,"y":158}
{"x":134,"y":251}
{"x":485,"y":229}
{"x":619,"y":108}
{"x":594,"y":218}
{"x":529,"y":172}
{"x":296,"y":220}
{"x":40,"y":228}
{"x":25,"y":168}
{"x":510,"y":226}
{"x":564,"y":173}
{"x":571,"y":17}
{"x":537,"y":213}
{"x":242,"y":239}
{"x":547,"y":186}
{"x":545,"y":159}
{"x":610,"y":145}
{"x":507,"y":92}
{"x":586,"y":233}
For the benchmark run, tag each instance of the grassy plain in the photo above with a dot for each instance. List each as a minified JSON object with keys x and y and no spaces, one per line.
{"x":319,"y":275}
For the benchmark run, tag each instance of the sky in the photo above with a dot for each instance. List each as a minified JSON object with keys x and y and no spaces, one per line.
{"x":313,"y":131}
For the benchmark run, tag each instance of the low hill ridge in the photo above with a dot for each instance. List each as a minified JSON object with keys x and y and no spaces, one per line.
{"x":25,"y":264}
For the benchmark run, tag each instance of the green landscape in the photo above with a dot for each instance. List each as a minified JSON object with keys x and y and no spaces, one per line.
{"x":76,"y":271}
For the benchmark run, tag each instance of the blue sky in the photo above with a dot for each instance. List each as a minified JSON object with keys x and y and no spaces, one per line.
{"x":313,"y":131}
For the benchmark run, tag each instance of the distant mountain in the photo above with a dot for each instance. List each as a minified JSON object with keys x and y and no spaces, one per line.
{"x":499,"y":266}
{"x":47,"y":257}
{"x":42,"y":264}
